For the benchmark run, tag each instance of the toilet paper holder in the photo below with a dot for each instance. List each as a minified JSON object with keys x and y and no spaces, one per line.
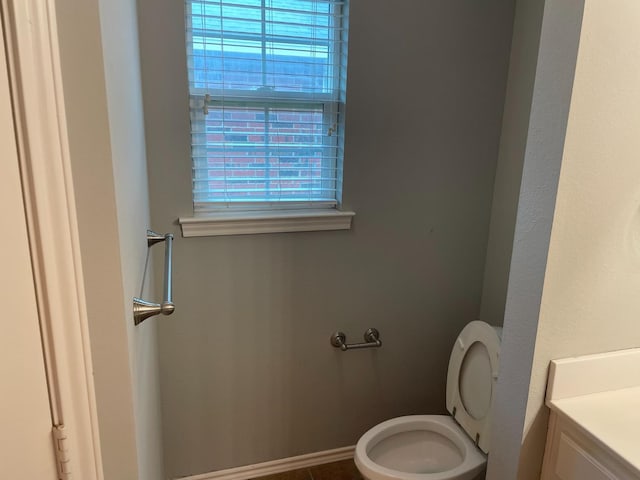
{"x":371,"y":340}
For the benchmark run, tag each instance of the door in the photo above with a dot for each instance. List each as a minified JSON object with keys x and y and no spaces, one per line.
{"x":26,"y":446}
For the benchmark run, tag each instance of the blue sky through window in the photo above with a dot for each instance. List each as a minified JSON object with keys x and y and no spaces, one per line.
{"x":263,"y":43}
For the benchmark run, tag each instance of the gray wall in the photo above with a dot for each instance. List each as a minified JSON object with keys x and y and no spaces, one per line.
{"x":545,"y":136}
{"x":89,"y":139}
{"x":247,"y":373}
{"x":119,"y":30}
{"x":103,"y":107}
{"x":513,"y":142}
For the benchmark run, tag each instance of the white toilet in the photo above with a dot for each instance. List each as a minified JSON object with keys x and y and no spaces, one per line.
{"x":442,"y":447}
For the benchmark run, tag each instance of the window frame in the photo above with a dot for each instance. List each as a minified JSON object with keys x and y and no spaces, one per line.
{"x":246,"y":217}
{"x":330,"y":104}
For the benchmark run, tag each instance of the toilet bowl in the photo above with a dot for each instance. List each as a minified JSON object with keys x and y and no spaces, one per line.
{"x":441,"y":447}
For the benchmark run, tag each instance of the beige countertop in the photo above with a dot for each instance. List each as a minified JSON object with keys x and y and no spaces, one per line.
{"x":611,"y":419}
{"x":600,"y":395}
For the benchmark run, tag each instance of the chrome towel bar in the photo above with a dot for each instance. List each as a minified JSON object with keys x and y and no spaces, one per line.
{"x":143,"y":309}
{"x":371,"y":338}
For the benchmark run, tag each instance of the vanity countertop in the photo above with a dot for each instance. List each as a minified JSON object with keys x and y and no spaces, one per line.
{"x":600,"y":395}
{"x":612,"y":419}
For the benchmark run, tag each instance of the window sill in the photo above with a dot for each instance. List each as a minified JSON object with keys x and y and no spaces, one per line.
{"x":244,"y":223}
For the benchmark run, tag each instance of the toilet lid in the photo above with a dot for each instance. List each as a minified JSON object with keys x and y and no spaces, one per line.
{"x":471,"y":380}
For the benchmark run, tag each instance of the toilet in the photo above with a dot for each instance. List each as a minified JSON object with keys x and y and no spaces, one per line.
{"x":442,"y":447}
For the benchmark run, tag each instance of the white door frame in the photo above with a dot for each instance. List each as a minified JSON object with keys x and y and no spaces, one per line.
{"x":36,"y":84}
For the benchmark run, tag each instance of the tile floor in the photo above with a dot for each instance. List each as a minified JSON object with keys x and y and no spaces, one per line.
{"x":343,"y":470}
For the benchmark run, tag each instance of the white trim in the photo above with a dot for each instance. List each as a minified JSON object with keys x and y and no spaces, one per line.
{"x":277,"y":466}
{"x":242,"y":223}
{"x":36,"y":82}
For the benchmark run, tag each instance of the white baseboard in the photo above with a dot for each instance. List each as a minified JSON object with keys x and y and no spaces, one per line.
{"x":277,"y":466}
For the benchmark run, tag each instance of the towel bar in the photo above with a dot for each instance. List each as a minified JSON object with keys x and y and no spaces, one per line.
{"x":143,"y":309}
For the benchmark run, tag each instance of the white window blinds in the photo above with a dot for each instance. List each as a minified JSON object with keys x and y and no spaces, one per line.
{"x":267,"y":91}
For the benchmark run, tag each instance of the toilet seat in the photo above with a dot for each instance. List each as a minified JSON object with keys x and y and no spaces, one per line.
{"x":471,"y":380}
{"x":471,"y":460}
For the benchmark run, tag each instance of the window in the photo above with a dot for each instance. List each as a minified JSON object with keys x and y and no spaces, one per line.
{"x":267,"y":96}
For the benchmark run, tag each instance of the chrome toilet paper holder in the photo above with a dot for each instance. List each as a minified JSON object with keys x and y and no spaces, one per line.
{"x":371,"y":340}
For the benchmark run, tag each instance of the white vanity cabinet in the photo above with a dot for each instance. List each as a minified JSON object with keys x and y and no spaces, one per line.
{"x":594,"y":428}
{"x":572,"y":454}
